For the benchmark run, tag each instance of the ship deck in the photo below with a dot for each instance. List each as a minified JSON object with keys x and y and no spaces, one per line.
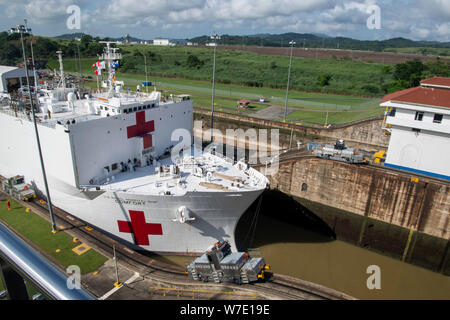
{"x":223,"y":176}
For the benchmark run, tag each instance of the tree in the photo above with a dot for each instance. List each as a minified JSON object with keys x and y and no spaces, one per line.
{"x":194,"y":62}
{"x":410,"y":71}
{"x":324,"y":79}
{"x":85,"y":40}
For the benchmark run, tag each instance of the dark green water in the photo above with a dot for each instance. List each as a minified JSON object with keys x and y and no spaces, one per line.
{"x":297,"y":243}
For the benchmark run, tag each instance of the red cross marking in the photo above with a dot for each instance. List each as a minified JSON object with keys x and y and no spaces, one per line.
{"x":139,"y":228}
{"x":142,"y":129}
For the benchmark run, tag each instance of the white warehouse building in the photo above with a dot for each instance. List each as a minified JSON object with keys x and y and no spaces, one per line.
{"x":418,"y":120}
{"x":162,"y":42}
{"x":12,"y":78}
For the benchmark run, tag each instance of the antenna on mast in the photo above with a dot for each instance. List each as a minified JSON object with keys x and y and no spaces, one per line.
{"x":109,"y":55}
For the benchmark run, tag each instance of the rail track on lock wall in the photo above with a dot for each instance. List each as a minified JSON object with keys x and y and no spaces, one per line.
{"x":302,"y":154}
{"x":275,"y":287}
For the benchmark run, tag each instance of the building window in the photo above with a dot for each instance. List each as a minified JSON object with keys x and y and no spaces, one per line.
{"x":419,"y":116}
{"x":437,"y":118}
{"x":392,"y":112}
{"x":114,"y":166}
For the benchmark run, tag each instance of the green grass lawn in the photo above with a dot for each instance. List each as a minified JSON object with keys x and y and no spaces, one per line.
{"x":227,"y":90}
{"x":334,"y":117}
{"x":226,"y":97}
{"x":243,"y":68}
{"x":38,"y":231}
{"x":421,"y":50}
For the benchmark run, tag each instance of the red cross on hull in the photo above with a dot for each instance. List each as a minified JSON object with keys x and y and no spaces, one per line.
{"x":139,"y":228}
{"x":142,"y":129}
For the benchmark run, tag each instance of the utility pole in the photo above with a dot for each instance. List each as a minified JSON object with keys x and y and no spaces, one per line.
{"x":215,"y":37}
{"x":22,"y":29}
{"x":292,"y":43}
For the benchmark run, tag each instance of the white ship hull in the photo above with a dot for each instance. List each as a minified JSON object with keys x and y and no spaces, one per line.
{"x":216,"y":213}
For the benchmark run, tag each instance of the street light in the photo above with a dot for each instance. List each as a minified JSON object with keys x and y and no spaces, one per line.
{"x":79,"y":62}
{"x":34,"y":66}
{"x":292,"y":43}
{"x":22,"y":29}
{"x":214,"y":37}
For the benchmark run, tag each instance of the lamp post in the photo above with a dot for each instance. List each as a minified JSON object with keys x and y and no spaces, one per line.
{"x":22,"y":29}
{"x":79,"y":62}
{"x":292,"y":43}
{"x":215,"y":37}
{"x":34,"y":66}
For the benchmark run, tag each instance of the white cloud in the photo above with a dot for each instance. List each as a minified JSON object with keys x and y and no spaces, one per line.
{"x":417,"y":19}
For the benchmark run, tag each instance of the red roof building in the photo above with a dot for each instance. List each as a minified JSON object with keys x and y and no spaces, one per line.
{"x":418,"y":120}
{"x":436,"y":82}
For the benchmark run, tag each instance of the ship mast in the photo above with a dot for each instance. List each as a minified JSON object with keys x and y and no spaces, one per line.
{"x":109,"y":55}
{"x":62,"y":81}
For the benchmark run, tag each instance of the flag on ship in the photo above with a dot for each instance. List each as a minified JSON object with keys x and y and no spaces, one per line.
{"x":99,"y":65}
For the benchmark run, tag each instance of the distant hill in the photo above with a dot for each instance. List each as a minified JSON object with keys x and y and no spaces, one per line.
{"x":308,"y":40}
{"x":320,"y":41}
{"x":72,"y":36}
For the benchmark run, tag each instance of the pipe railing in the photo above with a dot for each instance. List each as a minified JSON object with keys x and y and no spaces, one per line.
{"x":31,"y":265}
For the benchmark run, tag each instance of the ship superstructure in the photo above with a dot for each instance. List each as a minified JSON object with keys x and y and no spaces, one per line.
{"x":108,"y":162}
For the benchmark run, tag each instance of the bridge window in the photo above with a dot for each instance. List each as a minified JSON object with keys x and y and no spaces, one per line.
{"x":419,"y":116}
{"x":438,"y":118}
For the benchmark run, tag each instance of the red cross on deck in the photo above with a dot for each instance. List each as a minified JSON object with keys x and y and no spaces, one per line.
{"x":142,"y":129}
{"x":139,"y":228}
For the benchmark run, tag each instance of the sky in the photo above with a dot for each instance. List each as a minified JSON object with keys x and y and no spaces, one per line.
{"x":149,"y":19}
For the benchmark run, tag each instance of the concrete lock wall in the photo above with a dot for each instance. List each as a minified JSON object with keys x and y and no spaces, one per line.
{"x":366,"y":132}
{"x":375,"y":208}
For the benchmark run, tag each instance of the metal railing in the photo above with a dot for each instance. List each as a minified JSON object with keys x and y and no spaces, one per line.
{"x":27,"y":117}
{"x":20,"y":260}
